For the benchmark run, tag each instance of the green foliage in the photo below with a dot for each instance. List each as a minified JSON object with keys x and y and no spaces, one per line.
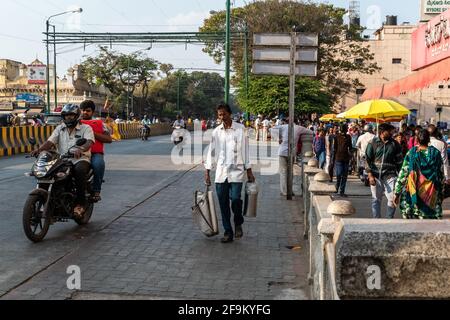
{"x":139,"y":76}
{"x":199,"y":93}
{"x":120,"y":73}
{"x":339,"y":46}
{"x":269,"y":95}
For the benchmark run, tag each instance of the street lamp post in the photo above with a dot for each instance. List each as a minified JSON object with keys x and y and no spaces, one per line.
{"x":47,"y":24}
{"x":54,"y":66}
{"x":246,"y":60}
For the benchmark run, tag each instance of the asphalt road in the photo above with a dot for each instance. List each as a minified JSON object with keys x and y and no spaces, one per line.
{"x":141,"y":242}
{"x":135,"y":172}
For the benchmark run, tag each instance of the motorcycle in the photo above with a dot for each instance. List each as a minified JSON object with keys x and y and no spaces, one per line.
{"x":177,"y":135}
{"x":53,"y":200}
{"x":145,"y":133}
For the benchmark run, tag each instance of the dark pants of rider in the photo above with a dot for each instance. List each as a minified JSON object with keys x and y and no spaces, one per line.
{"x":80,"y":172}
{"x":98,"y":166}
{"x":226,"y":192}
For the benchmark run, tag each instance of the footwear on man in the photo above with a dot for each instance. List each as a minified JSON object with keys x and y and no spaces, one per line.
{"x":227,"y":238}
{"x":239,"y":232}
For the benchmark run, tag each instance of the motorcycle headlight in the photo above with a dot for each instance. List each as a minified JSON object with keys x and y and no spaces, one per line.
{"x":41,"y":168}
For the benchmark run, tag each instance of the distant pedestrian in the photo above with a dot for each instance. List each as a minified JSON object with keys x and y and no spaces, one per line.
{"x":413,"y":140}
{"x":320,"y":148}
{"x":258,"y":127}
{"x":342,"y":157}
{"x":420,"y":187}
{"x":400,"y":138}
{"x":329,"y":149}
{"x":436,"y":140}
{"x":265,"y":129}
{"x":283,"y":153}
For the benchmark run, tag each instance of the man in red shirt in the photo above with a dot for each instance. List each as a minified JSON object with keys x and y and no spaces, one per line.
{"x":102,"y":136}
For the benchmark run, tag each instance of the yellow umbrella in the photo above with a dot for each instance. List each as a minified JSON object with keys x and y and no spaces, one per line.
{"x":330,"y":117}
{"x":376,"y":109}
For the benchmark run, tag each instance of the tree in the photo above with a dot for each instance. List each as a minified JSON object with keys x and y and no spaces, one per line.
{"x":342,"y":52}
{"x":269,"y":95}
{"x":121,"y":74}
{"x":199,"y":93}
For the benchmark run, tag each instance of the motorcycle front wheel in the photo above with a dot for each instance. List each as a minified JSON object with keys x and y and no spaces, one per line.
{"x":35,"y":224}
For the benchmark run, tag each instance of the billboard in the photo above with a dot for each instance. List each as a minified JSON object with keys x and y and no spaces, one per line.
{"x":28,"y":98}
{"x":436,"y":6}
{"x":37,"y":74}
{"x":431,"y":42}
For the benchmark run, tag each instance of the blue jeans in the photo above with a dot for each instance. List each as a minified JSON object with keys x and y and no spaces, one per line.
{"x":226,"y":192}
{"x":387,"y":186}
{"x":321,"y":157}
{"x":341,"y":176}
{"x":98,"y":166}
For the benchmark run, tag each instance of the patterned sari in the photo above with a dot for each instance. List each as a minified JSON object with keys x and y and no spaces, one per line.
{"x":421,"y":183}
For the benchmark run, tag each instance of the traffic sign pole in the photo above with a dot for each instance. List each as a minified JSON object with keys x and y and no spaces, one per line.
{"x":290,"y":171}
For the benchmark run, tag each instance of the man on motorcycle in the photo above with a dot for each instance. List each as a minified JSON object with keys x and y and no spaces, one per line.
{"x":102,"y":136}
{"x":64,"y":138}
{"x":146,"y":122}
{"x":179,"y":123}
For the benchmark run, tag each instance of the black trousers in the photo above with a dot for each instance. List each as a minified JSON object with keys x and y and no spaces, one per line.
{"x":80,"y":172}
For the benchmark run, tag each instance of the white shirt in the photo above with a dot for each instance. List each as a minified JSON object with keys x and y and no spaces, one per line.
{"x":231,"y":154}
{"x":266,"y":123}
{"x":442,"y":147}
{"x":63,"y":140}
{"x":178,"y":123}
{"x":284,"y":136}
{"x":257,"y":122}
{"x":363,"y":142}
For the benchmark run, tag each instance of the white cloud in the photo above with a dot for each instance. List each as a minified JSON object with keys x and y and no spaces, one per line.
{"x":189,"y":22}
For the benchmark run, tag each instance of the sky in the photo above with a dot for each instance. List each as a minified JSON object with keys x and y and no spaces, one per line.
{"x":23,"y":22}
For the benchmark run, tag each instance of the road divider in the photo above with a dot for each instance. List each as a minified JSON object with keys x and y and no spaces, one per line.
{"x":15,"y":140}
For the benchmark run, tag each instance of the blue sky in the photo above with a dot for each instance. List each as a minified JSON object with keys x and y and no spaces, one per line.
{"x":21,"y":28}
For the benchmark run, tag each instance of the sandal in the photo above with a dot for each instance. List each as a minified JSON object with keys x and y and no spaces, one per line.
{"x":78,"y":212}
{"x":96,"y":197}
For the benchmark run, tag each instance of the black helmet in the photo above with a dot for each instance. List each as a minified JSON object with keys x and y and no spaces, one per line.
{"x":71,"y":109}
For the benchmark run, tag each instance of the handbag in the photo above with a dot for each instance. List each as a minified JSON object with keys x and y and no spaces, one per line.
{"x":204,"y":213}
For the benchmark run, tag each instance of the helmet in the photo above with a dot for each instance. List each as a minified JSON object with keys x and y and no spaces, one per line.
{"x":71,"y":109}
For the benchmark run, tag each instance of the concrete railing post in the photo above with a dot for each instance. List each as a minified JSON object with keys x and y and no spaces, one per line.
{"x":316,"y":188}
{"x":337,"y":210}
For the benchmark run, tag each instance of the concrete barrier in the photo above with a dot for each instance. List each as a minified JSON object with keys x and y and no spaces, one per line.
{"x":376,"y":259}
{"x":392,"y":259}
{"x":14,"y":140}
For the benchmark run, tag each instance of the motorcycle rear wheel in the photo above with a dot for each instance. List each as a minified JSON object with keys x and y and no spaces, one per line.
{"x":32,"y":219}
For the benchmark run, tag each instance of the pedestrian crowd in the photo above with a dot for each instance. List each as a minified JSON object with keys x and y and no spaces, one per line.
{"x":408,"y":165}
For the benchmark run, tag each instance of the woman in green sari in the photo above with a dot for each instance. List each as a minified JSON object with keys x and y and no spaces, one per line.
{"x":420,"y":186}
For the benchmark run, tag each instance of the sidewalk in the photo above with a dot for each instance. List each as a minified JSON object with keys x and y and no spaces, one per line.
{"x":154,"y":251}
{"x":361,"y":198}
